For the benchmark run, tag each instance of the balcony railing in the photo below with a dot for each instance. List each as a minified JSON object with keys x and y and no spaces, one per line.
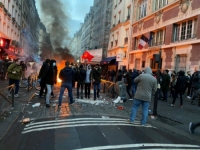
{"x":156,"y":43}
{"x":5,"y":11}
{"x":182,"y":38}
{"x":9,"y":15}
{"x":13,"y":19}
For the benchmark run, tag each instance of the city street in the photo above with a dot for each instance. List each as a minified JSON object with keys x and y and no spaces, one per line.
{"x":98,"y":124}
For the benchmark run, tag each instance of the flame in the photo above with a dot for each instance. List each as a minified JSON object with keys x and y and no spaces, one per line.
{"x":60,"y":66}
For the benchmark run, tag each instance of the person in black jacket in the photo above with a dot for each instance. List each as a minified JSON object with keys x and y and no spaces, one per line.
{"x":80,"y":76}
{"x":66,"y":75}
{"x":179,"y":88}
{"x":96,"y":79}
{"x":50,"y":79}
{"x":134,"y":75}
{"x":41,"y":76}
{"x":128,"y":82}
{"x":119,"y":75}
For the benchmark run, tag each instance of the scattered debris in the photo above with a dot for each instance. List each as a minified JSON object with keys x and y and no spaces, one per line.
{"x":26,"y":120}
{"x":120,"y":107}
{"x":36,"y":105}
{"x":29,"y":112}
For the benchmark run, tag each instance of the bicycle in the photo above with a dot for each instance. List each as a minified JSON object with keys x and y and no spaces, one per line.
{"x":30,"y":82}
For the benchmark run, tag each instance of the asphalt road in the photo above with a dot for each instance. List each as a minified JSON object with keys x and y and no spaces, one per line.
{"x":91,"y":132}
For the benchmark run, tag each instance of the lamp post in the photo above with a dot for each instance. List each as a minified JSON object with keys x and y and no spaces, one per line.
{"x":158,"y":82}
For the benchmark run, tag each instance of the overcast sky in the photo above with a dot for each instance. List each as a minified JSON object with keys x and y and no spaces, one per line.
{"x":76,"y":10}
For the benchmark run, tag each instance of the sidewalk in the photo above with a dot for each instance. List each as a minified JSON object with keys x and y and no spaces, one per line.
{"x":10,"y":116}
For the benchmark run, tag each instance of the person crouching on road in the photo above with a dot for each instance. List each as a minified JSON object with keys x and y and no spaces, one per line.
{"x":88,"y":81}
{"x":96,"y":79}
{"x":80,"y":75}
{"x":66,"y":75}
{"x":14,"y":75}
{"x":147,"y":85}
{"x":50,"y":79}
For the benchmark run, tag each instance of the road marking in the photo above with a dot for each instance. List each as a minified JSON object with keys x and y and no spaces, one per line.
{"x":76,"y":119}
{"x":76,"y":122}
{"x":81,"y":125}
{"x":144,"y":146}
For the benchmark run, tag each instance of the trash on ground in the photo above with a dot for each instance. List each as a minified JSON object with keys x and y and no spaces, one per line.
{"x":120,"y":107}
{"x":26,"y":120}
{"x":36,"y":105}
{"x":29,"y":112}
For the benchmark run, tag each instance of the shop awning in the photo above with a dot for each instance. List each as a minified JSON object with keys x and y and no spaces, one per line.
{"x":10,"y":53}
{"x":108,"y":60}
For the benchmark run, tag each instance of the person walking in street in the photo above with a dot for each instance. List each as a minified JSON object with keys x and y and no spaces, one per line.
{"x":147,"y":85}
{"x":80,"y":76}
{"x":165,"y":84}
{"x":66,"y":75}
{"x":188,"y":84}
{"x":179,"y":88}
{"x":96,"y":79}
{"x":119,"y":75}
{"x":193,"y":126}
{"x":50,"y":79}
{"x":196,"y":87}
{"x":24,"y":69}
{"x":55,"y":70}
{"x":14,"y":75}
{"x":41,"y":77}
{"x":127,"y":75}
{"x":134,"y":85}
{"x":88,"y":81}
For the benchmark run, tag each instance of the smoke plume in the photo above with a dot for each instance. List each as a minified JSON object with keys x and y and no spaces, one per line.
{"x":55,"y":19}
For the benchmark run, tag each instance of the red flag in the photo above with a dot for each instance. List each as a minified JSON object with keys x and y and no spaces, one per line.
{"x":87,"y":55}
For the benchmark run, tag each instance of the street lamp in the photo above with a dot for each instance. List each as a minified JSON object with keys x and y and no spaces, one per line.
{"x":157,"y":58}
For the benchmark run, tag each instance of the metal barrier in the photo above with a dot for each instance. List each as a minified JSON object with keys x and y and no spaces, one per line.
{"x":108,"y":88}
{"x":5,"y":101}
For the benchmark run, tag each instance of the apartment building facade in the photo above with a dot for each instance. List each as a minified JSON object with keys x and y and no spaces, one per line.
{"x":118,"y":45}
{"x":173,"y":26}
{"x":10,"y":18}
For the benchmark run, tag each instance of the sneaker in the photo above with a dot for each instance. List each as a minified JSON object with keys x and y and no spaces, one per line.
{"x":172,"y":105}
{"x":121,"y":101}
{"x":94,"y":98}
{"x":72,"y":103}
{"x":191,"y":128}
{"x":188,"y":97}
{"x":47,"y":105}
{"x":16,"y":95}
{"x":130,"y":99}
{"x":129,"y":121}
{"x":41,"y":96}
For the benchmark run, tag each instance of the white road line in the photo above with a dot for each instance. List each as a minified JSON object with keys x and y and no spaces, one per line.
{"x":76,"y":119}
{"x":76,"y":122}
{"x":81,"y":125}
{"x":143,"y":145}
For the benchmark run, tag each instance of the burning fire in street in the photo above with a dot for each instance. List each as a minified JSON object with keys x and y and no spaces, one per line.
{"x":60,"y":66}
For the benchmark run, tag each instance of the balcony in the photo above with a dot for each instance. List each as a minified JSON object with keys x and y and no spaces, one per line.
{"x":182,"y":38}
{"x":125,"y":40}
{"x":156,"y":43}
{"x":13,"y":19}
{"x":5,"y":11}
{"x":9,"y":15}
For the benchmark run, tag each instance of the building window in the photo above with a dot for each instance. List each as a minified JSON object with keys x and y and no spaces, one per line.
{"x":137,"y":64}
{"x":181,"y":61}
{"x":119,"y":17}
{"x":157,"y":38}
{"x":142,"y":9}
{"x":184,"y":31}
{"x":129,"y":13}
{"x":154,"y":64}
{"x":131,"y":59}
{"x":136,"y":43}
{"x":159,"y":4}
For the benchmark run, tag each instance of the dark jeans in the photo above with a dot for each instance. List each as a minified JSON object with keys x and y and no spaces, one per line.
{"x":165,"y":93}
{"x":194,"y":125}
{"x":80,"y":84}
{"x":96,"y":89}
{"x":128,"y":87}
{"x":42,"y":87}
{"x":16,"y":83}
{"x":187,"y":86}
{"x":181,"y":97}
{"x":69,"y":89}
{"x":87,"y":89}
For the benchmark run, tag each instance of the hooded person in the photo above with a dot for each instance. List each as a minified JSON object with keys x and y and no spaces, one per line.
{"x":146,"y":86}
{"x":80,"y":75}
{"x":88,"y":81}
{"x":50,"y":79}
{"x":179,"y":88}
{"x":14,"y":75}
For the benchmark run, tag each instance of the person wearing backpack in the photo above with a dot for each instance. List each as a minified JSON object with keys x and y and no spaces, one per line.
{"x":80,"y":76}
